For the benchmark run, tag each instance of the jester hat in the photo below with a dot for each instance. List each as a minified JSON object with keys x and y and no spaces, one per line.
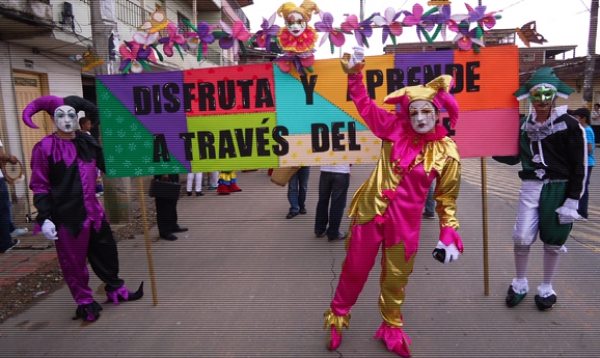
{"x":544,"y":76}
{"x":51,"y":103}
{"x":437,"y":92}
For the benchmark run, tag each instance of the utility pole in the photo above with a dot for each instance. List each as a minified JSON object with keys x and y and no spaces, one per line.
{"x":104,"y":24}
{"x":588,"y":82}
{"x":362,"y":10}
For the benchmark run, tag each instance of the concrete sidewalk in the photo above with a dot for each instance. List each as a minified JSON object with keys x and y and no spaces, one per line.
{"x":246,"y":282}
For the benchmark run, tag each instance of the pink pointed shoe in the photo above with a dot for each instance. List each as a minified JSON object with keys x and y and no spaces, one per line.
{"x":334,"y":339}
{"x":395,"y":339}
{"x":334,"y":324}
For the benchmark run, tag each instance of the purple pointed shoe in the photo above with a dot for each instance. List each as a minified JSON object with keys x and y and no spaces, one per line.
{"x":122,"y":294}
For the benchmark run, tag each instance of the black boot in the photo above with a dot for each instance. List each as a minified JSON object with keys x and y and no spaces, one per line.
{"x":89,"y":312}
{"x":122,"y":294}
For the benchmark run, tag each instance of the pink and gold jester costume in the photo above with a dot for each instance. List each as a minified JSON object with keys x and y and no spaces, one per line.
{"x":387,"y":207}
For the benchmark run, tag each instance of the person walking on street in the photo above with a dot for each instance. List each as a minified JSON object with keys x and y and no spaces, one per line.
{"x":166,"y":211}
{"x":333,"y":186}
{"x":63,"y":178}
{"x":583,"y":115}
{"x":553,"y":156}
{"x":297,"y":188}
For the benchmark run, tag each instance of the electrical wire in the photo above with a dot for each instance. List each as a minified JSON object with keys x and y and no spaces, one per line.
{"x":520,"y":1}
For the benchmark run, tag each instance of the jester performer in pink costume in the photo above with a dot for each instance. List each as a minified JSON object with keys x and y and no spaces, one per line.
{"x":387,"y":208}
{"x":63,"y":181}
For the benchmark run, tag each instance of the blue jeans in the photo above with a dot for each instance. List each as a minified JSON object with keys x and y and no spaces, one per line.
{"x":583,"y":202}
{"x":334,"y":186}
{"x":5,"y":216}
{"x":297,"y":187}
{"x":430,"y":203}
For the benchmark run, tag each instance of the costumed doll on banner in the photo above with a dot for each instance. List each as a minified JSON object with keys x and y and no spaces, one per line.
{"x":63,"y":181}
{"x":227,"y":183}
{"x":387,"y":208}
{"x":553,"y":155}
{"x":297,"y":39}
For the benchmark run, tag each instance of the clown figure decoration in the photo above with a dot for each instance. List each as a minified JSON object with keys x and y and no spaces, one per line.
{"x":297,"y":39}
{"x":387,"y":208}
{"x":553,"y":155}
{"x":63,"y":181}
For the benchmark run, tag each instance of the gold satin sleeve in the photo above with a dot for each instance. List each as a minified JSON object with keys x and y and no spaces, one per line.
{"x":442,"y":155}
{"x":446,"y":193}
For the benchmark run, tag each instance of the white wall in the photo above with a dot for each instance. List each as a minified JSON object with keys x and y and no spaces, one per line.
{"x":81,"y":12}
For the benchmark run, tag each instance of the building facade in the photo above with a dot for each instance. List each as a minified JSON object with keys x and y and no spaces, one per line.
{"x":40,"y":38}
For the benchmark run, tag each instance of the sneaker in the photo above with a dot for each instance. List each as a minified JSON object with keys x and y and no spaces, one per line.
{"x":19,"y":232}
{"x":212,"y":188}
{"x":199,"y":193}
{"x":302,"y":211}
{"x":513,"y":298}
{"x":428,"y":216}
{"x":189,"y":193}
{"x":13,"y":244}
{"x":544,"y":304}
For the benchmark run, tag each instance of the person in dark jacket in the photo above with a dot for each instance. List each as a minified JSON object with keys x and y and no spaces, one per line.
{"x":166,"y":212}
{"x":552,"y":153}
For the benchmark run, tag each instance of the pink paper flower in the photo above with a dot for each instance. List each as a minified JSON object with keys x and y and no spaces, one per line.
{"x":335,"y":36}
{"x":174,"y":39}
{"x":362,"y":30}
{"x":388,"y":23}
{"x":236,"y":33}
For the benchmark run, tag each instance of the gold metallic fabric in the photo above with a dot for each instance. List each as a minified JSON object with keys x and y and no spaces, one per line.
{"x":426,"y":93}
{"x":368,"y":200}
{"x":394,"y":277}
{"x":337,"y":321}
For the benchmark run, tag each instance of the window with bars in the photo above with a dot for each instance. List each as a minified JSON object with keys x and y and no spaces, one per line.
{"x":181,"y":24}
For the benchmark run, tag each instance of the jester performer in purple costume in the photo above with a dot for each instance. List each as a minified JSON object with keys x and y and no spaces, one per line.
{"x":63,"y":181}
{"x":387,"y":208}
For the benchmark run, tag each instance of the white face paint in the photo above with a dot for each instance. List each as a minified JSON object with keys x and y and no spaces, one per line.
{"x":296,"y":24}
{"x":423,"y":116}
{"x":65,"y":119}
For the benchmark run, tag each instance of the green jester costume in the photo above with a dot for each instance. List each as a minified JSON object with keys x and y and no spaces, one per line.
{"x":553,"y":155}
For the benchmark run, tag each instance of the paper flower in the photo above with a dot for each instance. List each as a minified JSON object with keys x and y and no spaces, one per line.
{"x":237,"y":34}
{"x":422,"y":22}
{"x":441,"y":19}
{"x":466,"y":38}
{"x":129,"y":51}
{"x":174,"y":39}
{"x":362,"y":30}
{"x":145,"y":42}
{"x":336,"y":37}
{"x":269,"y":29}
{"x":388,"y":23}
{"x":201,"y":37}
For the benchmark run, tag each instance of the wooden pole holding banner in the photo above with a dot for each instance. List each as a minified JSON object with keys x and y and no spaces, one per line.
{"x":147,"y":239}
{"x":486,"y":273}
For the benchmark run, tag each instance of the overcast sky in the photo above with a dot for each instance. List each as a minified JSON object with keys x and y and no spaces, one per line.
{"x":561,"y":22}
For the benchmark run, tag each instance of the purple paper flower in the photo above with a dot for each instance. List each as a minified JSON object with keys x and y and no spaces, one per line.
{"x":336,"y":37}
{"x":236,"y":34}
{"x":269,"y":29}
{"x":174,"y":39}
{"x":423,"y":24}
{"x":362,"y":30}
{"x":466,"y":38}
{"x":388,"y":23}
{"x":201,"y":37}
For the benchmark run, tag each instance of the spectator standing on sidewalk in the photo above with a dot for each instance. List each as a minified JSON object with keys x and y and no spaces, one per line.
{"x":190,"y":183}
{"x":63,"y":177}
{"x":8,"y":230}
{"x":553,"y":157}
{"x":211,"y":179}
{"x":86,"y":127}
{"x":595,"y":122}
{"x":166,"y":211}
{"x":297,"y":188}
{"x":333,"y":186}
{"x":583,"y":115}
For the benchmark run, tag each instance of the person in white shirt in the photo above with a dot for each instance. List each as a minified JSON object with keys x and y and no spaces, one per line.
{"x":333,"y":185}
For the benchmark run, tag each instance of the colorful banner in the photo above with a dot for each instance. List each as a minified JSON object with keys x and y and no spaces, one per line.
{"x":255,"y":116}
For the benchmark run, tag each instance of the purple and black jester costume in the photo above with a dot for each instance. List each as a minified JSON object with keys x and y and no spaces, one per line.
{"x":63,"y":182}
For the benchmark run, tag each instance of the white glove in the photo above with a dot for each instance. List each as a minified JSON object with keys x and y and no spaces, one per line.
{"x":567,"y":213}
{"x":49,"y":230}
{"x":445,"y":254}
{"x":357,"y":57}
